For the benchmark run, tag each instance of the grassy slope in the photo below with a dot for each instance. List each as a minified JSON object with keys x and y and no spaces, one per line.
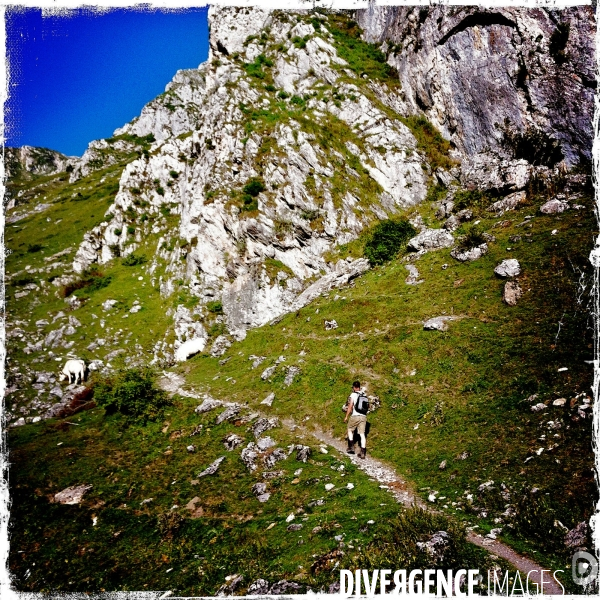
{"x":479,"y":373}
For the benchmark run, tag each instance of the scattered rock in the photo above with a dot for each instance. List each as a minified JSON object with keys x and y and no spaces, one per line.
{"x":284,"y":587}
{"x":437,"y":323}
{"x":263,"y":425}
{"x":232,"y":441}
{"x":272,"y":458}
{"x":463,"y":456}
{"x":554,"y":206}
{"x":220,"y":346}
{"x":509,"y":267}
{"x":331,"y":325}
{"x":256,"y":360}
{"x":191,"y":448}
{"x":212,"y":468}
{"x":538,"y":407}
{"x":442,"y":465}
{"x":436,"y":546}
{"x":302,"y":453}
{"x":413,"y":275}
{"x":329,"y":486}
{"x":72,"y":495}
{"x":291,"y":373}
{"x":269,"y":399}
{"x":260,"y":587}
{"x":268,"y":372}
{"x":249,"y":455}
{"x":229,"y":413}
{"x":108,"y":304}
{"x":471,"y":254}
{"x":264,"y":443}
{"x":512,"y":292}
{"x":295,"y":527}
{"x":559,"y":402}
{"x":208,"y":404}
{"x":508,"y":203}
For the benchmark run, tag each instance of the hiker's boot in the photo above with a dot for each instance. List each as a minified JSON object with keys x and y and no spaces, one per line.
{"x":350,"y":447}
{"x":362,"y":453}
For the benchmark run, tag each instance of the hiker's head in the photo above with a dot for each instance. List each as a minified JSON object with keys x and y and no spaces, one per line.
{"x":356,"y":385}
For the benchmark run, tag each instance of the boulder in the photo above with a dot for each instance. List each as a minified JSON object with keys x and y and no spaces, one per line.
{"x":268,"y":372}
{"x":508,"y":203}
{"x":431,"y":239}
{"x":249,"y":455}
{"x":331,"y":325}
{"x":264,"y":443}
{"x":554,"y":206}
{"x":509,"y":267}
{"x":436,"y":546}
{"x":260,"y":587}
{"x":302,"y":453}
{"x":471,"y":254}
{"x":232,"y":441}
{"x":263,"y":425}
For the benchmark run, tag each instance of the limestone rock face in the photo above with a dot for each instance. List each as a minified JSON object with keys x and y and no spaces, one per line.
{"x":37,"y":161}
{"x":486,"y":76}
{"x":261,"y":254}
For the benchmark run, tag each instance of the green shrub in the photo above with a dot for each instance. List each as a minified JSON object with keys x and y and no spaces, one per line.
{"x":174,"y":174}
{"x":387,"y":239}
{"x":117,"y":231}
{"x":34,"y":247}
{"x":254,"y":187}
{"x":160,"y":190}
{"x":132,"y":393}
{"x":470,"y":199}
{"x":215,"y":307}
{"x":132,"y":260}
{"x":130,"y":230}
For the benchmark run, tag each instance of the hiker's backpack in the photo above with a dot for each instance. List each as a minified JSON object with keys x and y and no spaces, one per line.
{"x":361,"y":404}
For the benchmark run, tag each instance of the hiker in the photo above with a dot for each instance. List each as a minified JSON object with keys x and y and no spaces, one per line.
{"x":356,"y":412}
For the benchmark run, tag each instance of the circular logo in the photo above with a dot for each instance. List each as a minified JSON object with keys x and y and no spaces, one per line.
{"x":584,"y":568}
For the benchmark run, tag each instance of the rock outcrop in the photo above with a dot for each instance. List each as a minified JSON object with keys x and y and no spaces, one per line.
{"x":502,"y":83}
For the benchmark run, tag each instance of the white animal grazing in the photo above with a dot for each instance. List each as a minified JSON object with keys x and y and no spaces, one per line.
{"x":74,"y":367}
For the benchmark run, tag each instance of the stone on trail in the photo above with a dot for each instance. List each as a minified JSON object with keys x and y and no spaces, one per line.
{"x":212,"y":468}
{"x":72,"y":495}
{"x":509,"y":267}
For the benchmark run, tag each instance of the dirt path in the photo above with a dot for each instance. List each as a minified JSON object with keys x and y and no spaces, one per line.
{"x":387,"y":476}
{"x":399,"y":488}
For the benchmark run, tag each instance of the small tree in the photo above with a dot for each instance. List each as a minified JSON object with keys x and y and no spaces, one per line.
{"x":133,"y":393}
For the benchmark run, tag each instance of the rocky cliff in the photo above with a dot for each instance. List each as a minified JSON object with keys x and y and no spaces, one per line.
{"x":498,"y":82}
{"x":296,"y":136}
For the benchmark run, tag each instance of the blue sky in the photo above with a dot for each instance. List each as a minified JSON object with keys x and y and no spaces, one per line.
{"x":75,"y":79}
